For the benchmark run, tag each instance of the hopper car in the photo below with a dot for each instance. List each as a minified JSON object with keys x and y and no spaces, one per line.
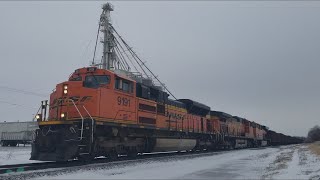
{"x":14,"y":133}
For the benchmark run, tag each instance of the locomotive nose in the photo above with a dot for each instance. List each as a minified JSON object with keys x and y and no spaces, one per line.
{"x":72,"y":101}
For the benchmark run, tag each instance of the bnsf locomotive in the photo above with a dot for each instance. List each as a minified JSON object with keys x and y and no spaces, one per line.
{"x":102,"y":112}
{"x":108,"y":111}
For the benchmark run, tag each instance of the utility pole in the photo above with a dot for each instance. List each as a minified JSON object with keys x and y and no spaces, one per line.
{"x":107,"y":61}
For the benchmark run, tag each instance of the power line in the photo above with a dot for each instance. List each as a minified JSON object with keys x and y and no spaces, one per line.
{"x":15,"y":104}
{"x":10,"y":89}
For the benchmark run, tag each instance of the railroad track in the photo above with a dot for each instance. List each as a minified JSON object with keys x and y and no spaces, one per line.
{"x":13,"y":168}
{"x":18,"y":169}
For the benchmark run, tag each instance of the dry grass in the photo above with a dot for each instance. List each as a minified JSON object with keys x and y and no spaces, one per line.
{"x":280,"y":163}
{"x":315,"y":147}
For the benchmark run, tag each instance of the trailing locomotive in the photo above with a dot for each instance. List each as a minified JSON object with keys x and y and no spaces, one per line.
{"x":103,"y":110}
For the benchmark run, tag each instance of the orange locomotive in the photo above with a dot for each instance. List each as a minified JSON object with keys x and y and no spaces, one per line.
{"x":106,"y":111}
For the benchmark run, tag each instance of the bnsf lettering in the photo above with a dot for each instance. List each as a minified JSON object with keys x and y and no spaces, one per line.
{"x":85,"y":98}
{"x":122,"y":101}
{"x":76,"y":99}
{"x":175,"y":116}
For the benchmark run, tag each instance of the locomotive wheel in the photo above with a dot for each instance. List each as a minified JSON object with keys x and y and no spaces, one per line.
{"x":13,"y":143}
{"x":86,"y":158}
{"x":133,"y":153}
{"x":5,"y":143}
{"x":113,"y":155}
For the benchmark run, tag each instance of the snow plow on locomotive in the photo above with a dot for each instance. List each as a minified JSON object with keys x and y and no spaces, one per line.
{"x":107,"y":110}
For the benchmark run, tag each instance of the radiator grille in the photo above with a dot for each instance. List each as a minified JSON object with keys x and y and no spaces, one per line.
{"x":147,"y":107}
{"x":146,"y":120}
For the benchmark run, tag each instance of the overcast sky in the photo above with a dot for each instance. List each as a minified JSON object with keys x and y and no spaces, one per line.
{"x":258,"y":60}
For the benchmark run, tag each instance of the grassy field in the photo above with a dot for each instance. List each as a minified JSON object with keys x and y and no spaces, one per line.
{"x":315,"y":147}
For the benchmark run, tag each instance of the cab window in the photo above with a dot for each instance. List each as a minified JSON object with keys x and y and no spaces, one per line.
{"x":124,"y":85}
{"x":78,"y":78}
{"x":95,"y":81}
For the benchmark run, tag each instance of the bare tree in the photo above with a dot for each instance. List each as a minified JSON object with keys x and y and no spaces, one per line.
{"x":313,"y":134}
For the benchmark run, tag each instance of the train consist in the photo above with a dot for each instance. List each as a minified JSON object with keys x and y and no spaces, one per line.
{"x":103,"y":110}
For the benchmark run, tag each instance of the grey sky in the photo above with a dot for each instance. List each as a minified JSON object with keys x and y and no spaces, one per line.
{"x":258,"y":60}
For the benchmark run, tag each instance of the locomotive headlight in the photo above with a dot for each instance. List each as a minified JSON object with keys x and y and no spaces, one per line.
{"x":65,"y":87}
{"x":65,"y":91}
{"x":38,"y":117}
{"x":62,"y":115}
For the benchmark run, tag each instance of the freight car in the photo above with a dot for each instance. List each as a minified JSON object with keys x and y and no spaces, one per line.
{"x":108,"y":110}
{"x":13,"y":133}
{"x":276,"y":139}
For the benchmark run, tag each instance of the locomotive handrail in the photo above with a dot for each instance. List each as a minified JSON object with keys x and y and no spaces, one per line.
{"x":81,"y":134}
{"x":91,"y":122}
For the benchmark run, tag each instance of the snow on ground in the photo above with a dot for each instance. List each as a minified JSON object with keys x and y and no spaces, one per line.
{"x":285,"y":162}
{"x":217,"y":165}
{"x":15,"y":155}
{"x":299,"y":163}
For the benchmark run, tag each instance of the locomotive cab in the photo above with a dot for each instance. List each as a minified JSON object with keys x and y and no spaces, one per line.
{"x":90,"y":92}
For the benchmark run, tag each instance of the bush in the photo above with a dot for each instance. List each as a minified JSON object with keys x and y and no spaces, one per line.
{"x":313,"y":134}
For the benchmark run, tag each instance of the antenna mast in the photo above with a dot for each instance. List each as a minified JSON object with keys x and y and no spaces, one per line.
{"x":107,"y":58}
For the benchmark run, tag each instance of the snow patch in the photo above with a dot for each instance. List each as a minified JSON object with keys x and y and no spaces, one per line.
{"x":15,"y":155}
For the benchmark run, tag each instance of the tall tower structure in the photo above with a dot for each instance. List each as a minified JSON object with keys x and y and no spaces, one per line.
{"x":108,"y":43}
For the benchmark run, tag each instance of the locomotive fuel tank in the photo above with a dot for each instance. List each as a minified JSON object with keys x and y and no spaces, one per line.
{"x":165,"y":144}
{"x":241,"y":143}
